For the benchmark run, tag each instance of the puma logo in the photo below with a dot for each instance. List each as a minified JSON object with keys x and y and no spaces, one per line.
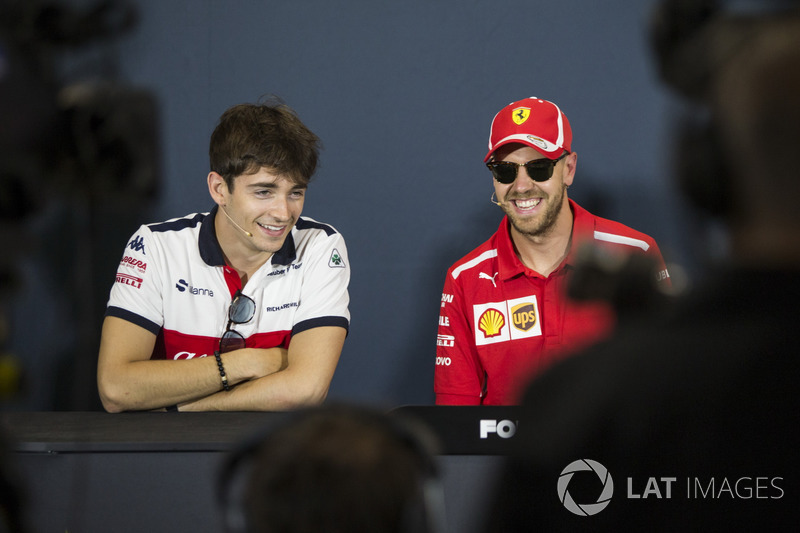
{"x":484,"y":275}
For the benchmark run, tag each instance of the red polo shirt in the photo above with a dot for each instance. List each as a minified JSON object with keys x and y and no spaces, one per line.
{"x":501,"y":322}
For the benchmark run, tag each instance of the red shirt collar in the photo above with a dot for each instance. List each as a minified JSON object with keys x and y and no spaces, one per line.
{"x":510,"y":265}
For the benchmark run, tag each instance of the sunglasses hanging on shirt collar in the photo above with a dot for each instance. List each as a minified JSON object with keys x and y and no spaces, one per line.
{"x":242,"y":310}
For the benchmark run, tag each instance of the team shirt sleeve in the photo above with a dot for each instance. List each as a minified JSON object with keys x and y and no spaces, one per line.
{"x":458,"y":377}
{"x":660,"y":266}
{"x":324,"y":297}
{"x":136,"y":293}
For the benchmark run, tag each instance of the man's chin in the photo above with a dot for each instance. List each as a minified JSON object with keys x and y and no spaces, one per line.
{"x":533,"y":226}
{"x":529,"y":230}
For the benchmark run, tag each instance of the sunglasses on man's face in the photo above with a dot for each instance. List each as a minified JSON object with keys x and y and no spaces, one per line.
{"x":241,"y":310}
{"x":538,"y":169}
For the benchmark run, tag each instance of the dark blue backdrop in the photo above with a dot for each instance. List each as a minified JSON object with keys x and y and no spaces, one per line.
{"x":401,"y":94}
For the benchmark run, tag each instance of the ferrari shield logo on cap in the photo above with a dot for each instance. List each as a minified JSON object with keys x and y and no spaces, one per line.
{"x":520,"y":115}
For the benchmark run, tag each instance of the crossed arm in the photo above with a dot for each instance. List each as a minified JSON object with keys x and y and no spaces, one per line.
{"x":271,"y":379}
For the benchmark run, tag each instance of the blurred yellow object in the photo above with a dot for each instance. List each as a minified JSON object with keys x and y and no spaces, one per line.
{"x":10,"y":376}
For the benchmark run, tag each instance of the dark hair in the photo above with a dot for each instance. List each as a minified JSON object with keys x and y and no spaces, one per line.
{"x":341,"y":470}
{"x":268,"y":135}
{"x":756,"y":102}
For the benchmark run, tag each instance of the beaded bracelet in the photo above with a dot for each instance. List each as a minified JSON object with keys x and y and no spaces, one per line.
{"x":221,"y":371}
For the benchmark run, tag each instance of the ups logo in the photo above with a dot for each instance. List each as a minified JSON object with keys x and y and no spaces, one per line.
{"x":523,"y":316}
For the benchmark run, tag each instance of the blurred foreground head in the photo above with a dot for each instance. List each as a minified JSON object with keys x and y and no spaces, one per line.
{"x":342,"y":469}
{"x":757,"y":111}
{"x":739,"y":71}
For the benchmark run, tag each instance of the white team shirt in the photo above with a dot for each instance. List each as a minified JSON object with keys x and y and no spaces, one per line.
{"x":173,"y":281}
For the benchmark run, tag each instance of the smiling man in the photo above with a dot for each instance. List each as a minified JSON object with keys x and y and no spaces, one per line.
{"x":241,"y":308}
{"x":505,"y":315}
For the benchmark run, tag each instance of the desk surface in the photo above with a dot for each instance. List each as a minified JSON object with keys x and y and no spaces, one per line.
{"x":62,"y":431}
{"x":82,"y":467}
{"x":461,"y":430}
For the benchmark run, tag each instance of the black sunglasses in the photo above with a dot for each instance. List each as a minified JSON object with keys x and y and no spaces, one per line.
{"x":538,"y":169}
{"x":241,"y":310}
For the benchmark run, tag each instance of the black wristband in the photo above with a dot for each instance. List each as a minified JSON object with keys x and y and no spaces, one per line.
{"x":222,"y":374}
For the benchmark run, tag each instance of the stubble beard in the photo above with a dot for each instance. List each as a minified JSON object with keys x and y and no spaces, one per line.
{"x":543,"y":224}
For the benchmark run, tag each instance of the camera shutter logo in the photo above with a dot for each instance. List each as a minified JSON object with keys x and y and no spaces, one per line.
{"x":587,"y":509}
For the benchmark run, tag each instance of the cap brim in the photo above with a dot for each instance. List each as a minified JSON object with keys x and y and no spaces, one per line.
{"x":554,"y":154}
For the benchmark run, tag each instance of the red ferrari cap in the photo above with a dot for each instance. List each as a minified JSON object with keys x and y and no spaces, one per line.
{"x":538,"y":123}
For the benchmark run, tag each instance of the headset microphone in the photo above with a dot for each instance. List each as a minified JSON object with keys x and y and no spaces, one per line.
{"x":492,"y":199}
{"x":234,"y":223}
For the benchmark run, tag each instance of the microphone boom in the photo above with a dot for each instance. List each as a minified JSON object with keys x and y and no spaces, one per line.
{"x":235,"y":224}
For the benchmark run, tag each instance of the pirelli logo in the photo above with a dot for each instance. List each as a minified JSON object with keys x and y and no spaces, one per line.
{"x":126,"y":279}
{"x":506,"y":321}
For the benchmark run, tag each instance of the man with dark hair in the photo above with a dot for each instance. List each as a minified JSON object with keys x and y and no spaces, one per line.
{"x":338,"y":469}
{"x":683,"y":423}
{"x":249,"y":137}
{"x":241,"y":308}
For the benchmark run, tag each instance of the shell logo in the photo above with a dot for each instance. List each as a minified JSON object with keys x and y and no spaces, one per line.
{"x":491,"y":322}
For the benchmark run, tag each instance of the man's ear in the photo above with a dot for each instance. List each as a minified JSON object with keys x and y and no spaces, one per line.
{"x":571,"y":163}
{"x":217,"y":188}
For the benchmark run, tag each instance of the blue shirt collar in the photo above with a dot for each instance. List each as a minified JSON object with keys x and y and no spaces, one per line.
{"x":211,"y":251}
